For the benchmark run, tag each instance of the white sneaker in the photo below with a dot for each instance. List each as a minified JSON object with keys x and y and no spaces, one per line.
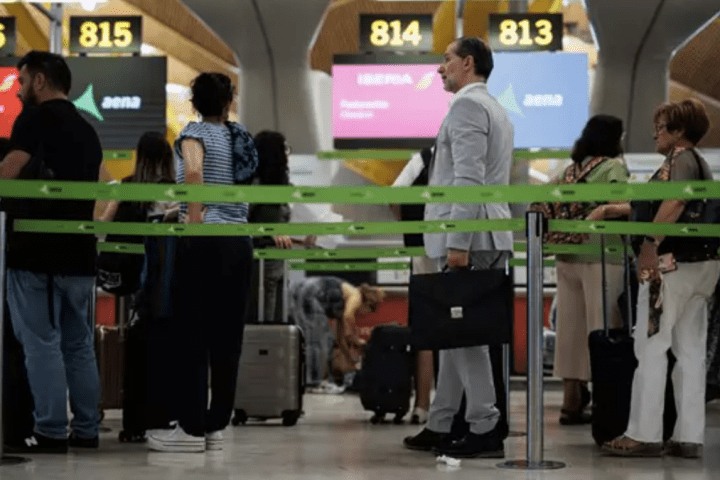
{"x":214,"y":441}
{"x":175,"y":441}
{"x":333,"y":389}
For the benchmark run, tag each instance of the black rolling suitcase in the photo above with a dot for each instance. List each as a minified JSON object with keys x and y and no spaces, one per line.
{"x":612,"y":367}
{"x":385,"y":379}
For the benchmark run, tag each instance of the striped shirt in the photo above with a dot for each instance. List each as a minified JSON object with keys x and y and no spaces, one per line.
{"x":218,"y":168}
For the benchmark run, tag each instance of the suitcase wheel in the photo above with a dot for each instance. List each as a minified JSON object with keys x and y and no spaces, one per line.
{"x":379,"y":417}
{"x":398,"y":420}
{"x":290,"y":418}
{"x":240,"y":417}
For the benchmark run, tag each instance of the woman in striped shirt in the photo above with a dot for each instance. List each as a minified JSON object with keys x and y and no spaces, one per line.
{"x":212,"y":273}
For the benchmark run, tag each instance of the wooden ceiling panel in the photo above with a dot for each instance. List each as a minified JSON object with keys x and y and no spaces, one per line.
{"x":698,"y":63}
{"x":175,"y":15}
{"x":340,"y":33}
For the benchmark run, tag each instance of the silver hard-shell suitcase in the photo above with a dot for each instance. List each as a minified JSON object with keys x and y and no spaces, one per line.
{"x":271,"y":378}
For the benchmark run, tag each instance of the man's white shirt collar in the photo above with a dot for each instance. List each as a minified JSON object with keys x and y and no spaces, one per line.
{"x":464,"y":90}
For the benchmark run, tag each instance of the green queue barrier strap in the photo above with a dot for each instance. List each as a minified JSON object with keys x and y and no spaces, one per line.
{"x":572,"y":249}
{"x":350,"y":267}
{"x":635,"y":228}
{"x":338,"y":254}
{"x":364,"y":228}
{"x":111,"y":247}
{"x":256,"y":229}
{"x":521,"y":262}
{"x":359,"y":195}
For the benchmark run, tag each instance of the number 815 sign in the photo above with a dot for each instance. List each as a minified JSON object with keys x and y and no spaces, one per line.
{"x":526,"y":31}
{"x":105,"y":34}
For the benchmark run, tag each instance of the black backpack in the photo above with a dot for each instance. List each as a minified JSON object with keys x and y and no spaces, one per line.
{"x":120,"y":273}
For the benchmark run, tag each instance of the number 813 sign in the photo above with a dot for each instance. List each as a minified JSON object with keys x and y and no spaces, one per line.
{"x":526,"y":31}
{"x":105,"y":34}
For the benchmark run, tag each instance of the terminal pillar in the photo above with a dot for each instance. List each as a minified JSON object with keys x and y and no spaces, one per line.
{"x":271,"y":39}
{"x":637,"y":39}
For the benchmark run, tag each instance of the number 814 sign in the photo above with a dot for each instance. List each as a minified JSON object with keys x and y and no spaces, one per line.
{"x":106,"y":34}
{"x":396,"y":32}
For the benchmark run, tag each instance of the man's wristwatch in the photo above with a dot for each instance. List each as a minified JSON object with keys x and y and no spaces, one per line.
{"x":652,"y":240}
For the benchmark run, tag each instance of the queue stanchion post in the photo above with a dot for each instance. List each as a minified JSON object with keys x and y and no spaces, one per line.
{"x":261,"y":291}
{"x":286,"y":292}
{"x":535,"y":414}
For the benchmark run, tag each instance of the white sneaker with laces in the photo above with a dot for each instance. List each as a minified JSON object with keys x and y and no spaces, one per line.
{"x":214,"y":441}
{"x":175,"y":441}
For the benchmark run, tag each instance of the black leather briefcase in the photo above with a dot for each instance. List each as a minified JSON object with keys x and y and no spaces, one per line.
{"x":461,"y":308}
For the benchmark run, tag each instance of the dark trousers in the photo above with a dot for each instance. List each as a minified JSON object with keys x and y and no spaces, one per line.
{"x":213,"y":278}
{"x":162,"y":377}
{"x":17,"y":401}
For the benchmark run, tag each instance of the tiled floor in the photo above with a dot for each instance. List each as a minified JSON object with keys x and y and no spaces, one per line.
{"x":335,"y":440}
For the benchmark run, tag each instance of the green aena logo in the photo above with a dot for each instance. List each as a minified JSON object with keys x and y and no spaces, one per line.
{"x":86,"y":103}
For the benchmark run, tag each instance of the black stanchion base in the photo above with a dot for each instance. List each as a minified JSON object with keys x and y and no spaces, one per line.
{"x":10,"y":460}
{"x":528,"y":465}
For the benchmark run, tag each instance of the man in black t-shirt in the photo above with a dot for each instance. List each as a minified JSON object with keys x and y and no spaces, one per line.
{"x":50,"y":277}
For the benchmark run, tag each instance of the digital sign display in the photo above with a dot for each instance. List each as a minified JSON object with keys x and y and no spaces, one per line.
{"x":387,"y":106}
{"x":546,"y":95}
{"x":8,"y":36}
{"x":106,"y":34}
{"x":122,"y":97}
{"x":10,"y":105}
{"x":396,"y":32}
{"x":525,"y":31}
{"x":379,"y":104}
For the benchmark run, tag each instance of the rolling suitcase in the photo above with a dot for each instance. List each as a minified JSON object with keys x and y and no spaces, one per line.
{"x":110,"y":354}
{"x":385,"y":379}
{"x":271,"y":378}
{"x":612,"y":367}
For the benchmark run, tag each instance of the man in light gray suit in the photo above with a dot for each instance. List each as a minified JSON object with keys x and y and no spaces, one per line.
{"x":474,"y":147}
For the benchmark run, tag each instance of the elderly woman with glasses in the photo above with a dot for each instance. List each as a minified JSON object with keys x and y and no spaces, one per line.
{"x":677,"y":278}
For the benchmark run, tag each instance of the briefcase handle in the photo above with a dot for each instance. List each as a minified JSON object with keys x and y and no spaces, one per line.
{"x":468,"y":267}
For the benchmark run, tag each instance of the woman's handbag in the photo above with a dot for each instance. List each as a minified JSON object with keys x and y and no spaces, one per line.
{"x":461,"y":308}
{"x":696,"y":211}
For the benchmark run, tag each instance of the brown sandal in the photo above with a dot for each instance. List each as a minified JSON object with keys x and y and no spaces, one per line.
{"x":624,"y":446}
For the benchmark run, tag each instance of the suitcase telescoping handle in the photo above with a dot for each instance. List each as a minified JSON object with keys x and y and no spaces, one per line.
{"x":606,"y":324}
{"x":261,"y":291}
{"x":627,"y":278}
{"x":628,"y":283}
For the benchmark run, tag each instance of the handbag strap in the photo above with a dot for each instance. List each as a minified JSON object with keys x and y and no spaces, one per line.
{"x":573,"y":176}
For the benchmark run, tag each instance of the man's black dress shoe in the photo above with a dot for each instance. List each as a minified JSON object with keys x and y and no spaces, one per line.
{"x":487,"y":445}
